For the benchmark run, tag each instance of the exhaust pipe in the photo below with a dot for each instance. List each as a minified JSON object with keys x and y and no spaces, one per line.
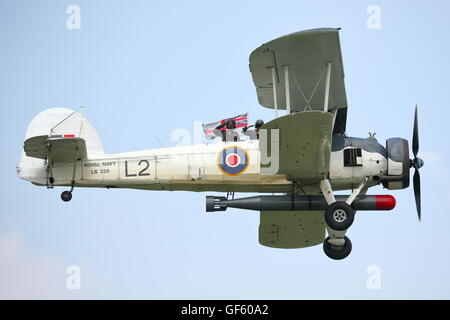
{"x":297,"y":203}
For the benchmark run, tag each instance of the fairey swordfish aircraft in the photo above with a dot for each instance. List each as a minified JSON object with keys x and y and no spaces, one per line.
{"x":298,"y":159}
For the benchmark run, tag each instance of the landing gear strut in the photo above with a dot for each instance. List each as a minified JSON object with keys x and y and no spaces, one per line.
{"x":337,"y":252}
{"x":67,"y":195}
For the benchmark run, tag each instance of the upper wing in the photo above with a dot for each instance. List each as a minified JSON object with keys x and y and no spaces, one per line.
{"x":306,"y":55}
{"x":58,"y":148}
{"x":304,"y":145}
{"x":291,"y":229}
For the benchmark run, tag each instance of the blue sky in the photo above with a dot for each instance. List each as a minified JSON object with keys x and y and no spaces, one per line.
{"x":145,"y":68}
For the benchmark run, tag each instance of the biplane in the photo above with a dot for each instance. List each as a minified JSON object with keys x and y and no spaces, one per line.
{"x":295,"y":164}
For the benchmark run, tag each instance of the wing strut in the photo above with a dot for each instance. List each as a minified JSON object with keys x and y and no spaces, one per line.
{"x":327,"y":88}
{"x":286,"y":85}
{"x":274,"y":88}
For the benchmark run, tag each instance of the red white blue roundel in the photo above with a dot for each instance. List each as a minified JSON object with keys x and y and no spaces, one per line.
{"x":233,"y":160}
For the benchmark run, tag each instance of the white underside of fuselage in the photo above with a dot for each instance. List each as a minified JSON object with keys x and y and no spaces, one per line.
{"x":190,"y":168}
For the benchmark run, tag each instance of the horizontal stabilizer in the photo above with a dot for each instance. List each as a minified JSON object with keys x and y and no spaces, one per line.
{"x":57,"y":148}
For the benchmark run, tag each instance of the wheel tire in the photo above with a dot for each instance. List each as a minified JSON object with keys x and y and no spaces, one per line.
{"x":66,"y":196}
{"x":339,"y":216}
{"x":337,"y":253}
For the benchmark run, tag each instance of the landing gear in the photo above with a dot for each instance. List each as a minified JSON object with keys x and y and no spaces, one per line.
{"x":339,"y":216}
{"x":63,"y":151}
{"x":337,"y":252}
{"x":66,"y":196}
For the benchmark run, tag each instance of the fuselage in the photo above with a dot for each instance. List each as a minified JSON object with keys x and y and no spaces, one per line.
{"x":200,"y":168}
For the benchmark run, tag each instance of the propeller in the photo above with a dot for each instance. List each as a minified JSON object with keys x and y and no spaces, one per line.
{"x":417,"y":163}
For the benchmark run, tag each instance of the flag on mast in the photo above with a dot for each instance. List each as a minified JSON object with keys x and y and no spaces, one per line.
{"x":241,"y":121}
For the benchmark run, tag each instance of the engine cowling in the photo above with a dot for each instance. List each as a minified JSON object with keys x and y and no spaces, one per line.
{"x":398,"y":164}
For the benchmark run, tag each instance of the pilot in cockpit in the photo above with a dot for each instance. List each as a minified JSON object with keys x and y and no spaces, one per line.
{"x":227,"y":130}
{"x":253,"y":134}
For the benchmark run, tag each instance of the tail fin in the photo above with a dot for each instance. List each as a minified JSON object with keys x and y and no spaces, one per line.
{"x":56,"y":122}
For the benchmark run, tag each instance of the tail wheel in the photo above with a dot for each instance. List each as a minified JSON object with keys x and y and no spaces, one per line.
{"x":337,"y":252}
{"x":339,"y":216}
{"x":66,"y":196}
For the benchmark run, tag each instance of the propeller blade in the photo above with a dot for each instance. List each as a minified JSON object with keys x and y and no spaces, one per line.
{"x":415,"y":142}
{"x":416,"y":183}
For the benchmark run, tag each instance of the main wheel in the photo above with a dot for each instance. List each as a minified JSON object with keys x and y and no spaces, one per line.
{"x":337,"y":252}
{"x":66,"y":196}
{"x":339,"y":216}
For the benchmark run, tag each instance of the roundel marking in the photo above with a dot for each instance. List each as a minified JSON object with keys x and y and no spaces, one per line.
{"x":233,"y":160}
